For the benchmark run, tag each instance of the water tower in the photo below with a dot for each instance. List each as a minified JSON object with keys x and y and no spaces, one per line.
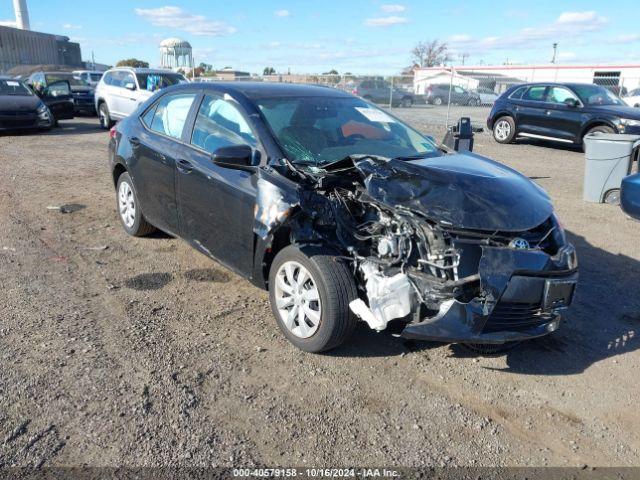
{"x":176,"y":53}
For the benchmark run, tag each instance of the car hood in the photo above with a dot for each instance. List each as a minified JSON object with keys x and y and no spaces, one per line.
{"x":624,"y":111}
{"x":19,"y":103}
{"x":462,"y":190}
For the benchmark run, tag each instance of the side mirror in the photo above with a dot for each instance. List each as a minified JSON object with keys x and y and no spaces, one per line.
{"x":239,"y":157}
{"x":130,"y":86}
{"x":571,"y":102}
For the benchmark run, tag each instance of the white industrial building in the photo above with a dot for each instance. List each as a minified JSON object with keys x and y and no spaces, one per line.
{"x":500,"y":77}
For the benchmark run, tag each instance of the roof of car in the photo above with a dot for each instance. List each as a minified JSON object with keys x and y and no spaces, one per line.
{"x":556,"y":84}
{"x":257,"y":90}
{"x":143,"y":70}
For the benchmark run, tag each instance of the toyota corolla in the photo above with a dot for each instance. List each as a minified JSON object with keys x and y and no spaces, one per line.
{"x":344,"y":214}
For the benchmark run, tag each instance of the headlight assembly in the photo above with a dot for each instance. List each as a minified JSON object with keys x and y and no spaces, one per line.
{"x":628,"y":122}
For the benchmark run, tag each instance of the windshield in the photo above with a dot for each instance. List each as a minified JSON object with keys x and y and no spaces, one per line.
{"x":596,"y":95}
{"x":14,"y":87}
{"x":322,"y":130}
{"x":73,"y":81}
{"x":156,"y":81}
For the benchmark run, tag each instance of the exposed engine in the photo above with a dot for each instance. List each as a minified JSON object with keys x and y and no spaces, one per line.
{"x":408,"y":263}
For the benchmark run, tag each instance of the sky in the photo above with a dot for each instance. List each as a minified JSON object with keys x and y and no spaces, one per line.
{"x":356,"y":36}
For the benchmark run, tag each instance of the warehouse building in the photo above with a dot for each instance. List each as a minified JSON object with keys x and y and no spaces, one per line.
{"x":26,"y":47}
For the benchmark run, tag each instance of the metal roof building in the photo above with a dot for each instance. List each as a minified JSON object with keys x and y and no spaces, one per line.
{"x":26,"y":47}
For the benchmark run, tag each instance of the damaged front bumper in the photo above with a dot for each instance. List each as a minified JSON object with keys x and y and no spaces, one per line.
{"x":524,"y":293}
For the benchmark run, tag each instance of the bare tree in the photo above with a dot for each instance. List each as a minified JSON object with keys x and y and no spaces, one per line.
{"x":430,"y":53}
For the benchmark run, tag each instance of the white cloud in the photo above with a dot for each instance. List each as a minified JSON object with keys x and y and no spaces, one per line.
{"x":385,"y":21}
{"x":566,"y":55}
{"x":7,"y":23}
{"x":568,"y":29}
{"x":588,"y":17}
{"x":282,"y":13}
{"x":392,"y":8}
{"x":629,"y":38}
{"x":71,"y":26}
{"x":177,"y":18}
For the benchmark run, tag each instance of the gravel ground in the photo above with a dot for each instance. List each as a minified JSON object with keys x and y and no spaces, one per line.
{"x":132,"y":352}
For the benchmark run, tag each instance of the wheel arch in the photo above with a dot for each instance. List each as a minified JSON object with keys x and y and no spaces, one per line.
{"x":117,"y":171}
{"x":596,"y":122}
{"x":498,"y":116}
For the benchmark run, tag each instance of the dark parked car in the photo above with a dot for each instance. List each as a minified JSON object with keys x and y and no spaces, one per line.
{"x":82,"y":92}
{"x":342,"y":211}
{"x":561,"y":112}
{"x":20,"y":108}
{"x":438,"y":94}
{"x":380,"y":91}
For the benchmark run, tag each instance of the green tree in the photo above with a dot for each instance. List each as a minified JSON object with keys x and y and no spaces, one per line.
{"x":132,"y":62}
{"x":269,"y":71}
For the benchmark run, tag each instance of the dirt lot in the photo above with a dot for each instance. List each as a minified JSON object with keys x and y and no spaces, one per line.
{"x":123,"y":351}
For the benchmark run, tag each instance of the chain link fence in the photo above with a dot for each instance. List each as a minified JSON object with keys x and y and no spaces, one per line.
{"x":435,"y":98}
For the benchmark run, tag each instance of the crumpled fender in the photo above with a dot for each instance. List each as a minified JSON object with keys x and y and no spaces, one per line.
{"x":276,"y":199}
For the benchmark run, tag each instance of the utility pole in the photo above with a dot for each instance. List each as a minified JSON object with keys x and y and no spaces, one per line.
{"x":555,"y":52}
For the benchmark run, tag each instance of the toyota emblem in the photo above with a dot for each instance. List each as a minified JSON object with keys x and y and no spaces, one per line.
{"x":519,"y":244}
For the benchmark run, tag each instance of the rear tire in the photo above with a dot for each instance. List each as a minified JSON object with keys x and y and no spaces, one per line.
{"x":504,"y":130}
{"x":474,"y":102}
{"x":437,"y":101}
{"x":319,"y":284}
{"x":406,"y":102}
{"x":104,"y":116}
{"x":129,"y":211}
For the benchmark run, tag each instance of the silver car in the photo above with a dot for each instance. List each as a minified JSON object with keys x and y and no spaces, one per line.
{"x":122,"y":89}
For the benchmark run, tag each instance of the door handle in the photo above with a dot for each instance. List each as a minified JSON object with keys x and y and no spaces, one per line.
{"x":184,"y":166}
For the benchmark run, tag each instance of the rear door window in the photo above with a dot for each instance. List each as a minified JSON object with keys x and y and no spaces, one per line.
{"x":171,"y":114}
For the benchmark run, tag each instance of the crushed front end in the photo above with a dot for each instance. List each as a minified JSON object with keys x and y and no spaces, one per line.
{"x":437,"y":248}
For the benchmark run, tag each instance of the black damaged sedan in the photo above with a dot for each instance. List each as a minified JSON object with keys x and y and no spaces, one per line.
{"x":344,"y":213}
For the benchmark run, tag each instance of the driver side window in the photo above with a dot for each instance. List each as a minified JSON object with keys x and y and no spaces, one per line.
{"x":220,"y":124}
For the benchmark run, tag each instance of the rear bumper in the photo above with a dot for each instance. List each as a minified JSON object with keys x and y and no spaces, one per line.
{"x":530,"y":292}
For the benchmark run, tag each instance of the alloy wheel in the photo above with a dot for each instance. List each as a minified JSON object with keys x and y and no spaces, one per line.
{"x":502,"y":130}
{"x":127,"y":204}
{"x":297,"y":299}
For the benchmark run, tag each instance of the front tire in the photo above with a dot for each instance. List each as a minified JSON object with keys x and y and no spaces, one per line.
{"x":406,"y":102}
{"x":599,"y":128}
{"x":129,"y":210}
{"x":504,"y":130}
{"x":310,"y":290}
{"x":438,"y":101}
{"x":104,"y":116}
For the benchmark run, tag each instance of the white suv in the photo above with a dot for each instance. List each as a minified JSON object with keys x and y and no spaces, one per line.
{"x":121,"y":90}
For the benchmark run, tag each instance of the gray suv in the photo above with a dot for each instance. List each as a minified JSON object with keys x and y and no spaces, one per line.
{"x":438,"y":94}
